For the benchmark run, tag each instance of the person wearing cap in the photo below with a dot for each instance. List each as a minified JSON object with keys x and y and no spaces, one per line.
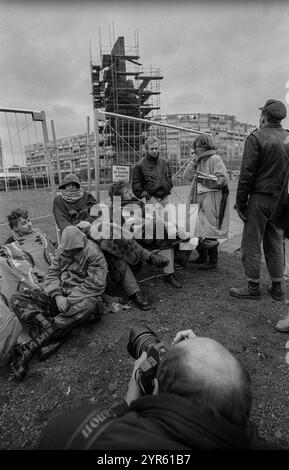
{"x":262,"y":176}
{"x":72,"y":295}
{"x":73,"y":204}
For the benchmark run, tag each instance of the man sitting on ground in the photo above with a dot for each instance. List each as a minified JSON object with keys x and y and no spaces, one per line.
{"x":72,"y":295}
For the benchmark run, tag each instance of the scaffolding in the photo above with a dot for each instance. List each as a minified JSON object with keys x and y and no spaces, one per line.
{"x":123,"y":87}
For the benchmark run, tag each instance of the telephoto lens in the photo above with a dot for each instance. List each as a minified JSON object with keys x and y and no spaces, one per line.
{"x":141,"y":338}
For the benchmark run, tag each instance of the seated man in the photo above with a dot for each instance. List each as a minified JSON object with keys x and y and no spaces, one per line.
{"x":123,"y":253}
{"x":149,"y":228}
{"x":73,"y":204}
{"x":73,"y":207}
{"x":38,"y":249}
{"x":73,"y":289}
{"x":201,"y":401}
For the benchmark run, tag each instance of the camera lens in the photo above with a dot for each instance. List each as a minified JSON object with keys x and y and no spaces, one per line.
{"x":140,"y":339}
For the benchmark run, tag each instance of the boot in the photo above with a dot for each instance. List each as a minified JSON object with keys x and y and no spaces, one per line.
{"x":276,"y":291}
{"x":203,"y":255}
{"x":251,"y":291}
{"x":24,"y":353}
{"x":213,"y":259}
{"x":140,"y":301}
{"x":158,"y":260}
{"x":170,"y":278}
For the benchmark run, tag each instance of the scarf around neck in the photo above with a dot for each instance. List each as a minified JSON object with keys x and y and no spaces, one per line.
{"x":203,"y":156}
{"x":72,"y":194}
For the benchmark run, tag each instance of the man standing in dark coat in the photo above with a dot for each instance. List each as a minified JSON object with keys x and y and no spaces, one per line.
{"x":262,"y":176}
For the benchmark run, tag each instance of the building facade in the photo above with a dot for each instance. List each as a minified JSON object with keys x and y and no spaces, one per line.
{"x":73,"y":154}
{"x":228,"y":133}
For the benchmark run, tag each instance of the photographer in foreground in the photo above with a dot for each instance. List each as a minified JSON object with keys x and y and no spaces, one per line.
{"x":201,"y":401}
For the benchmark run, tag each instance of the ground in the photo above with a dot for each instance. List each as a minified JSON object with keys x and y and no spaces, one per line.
{"x":94,"y":365}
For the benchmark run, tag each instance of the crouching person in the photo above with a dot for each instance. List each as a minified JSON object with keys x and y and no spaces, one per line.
{"x":72,"y":295}
{"x":201,"y":400}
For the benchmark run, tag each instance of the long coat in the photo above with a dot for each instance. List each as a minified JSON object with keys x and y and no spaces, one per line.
{"x":208,"y":195}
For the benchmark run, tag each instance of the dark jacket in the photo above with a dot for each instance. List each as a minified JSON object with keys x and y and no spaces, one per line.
{"x":152,"y":176}
{"x":71,"y":213}
{"x":264,"y":164}
{"x":162,"y":422}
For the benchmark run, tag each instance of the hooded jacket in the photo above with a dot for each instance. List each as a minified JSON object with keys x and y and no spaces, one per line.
{"x":80,"y":276}
{"x":71,"y":213}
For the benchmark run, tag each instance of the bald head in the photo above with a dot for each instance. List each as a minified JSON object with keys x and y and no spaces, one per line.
{"x":206,"y":373}
{"x":210,"y":361}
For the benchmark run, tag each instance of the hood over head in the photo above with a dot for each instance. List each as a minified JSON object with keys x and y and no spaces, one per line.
{"x":70,"y":178}
{"x":72,"y":238}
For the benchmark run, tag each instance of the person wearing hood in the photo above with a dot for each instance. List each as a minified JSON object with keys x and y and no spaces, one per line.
{"x":73,"y":288}
{"x":73,"y":204}
{"x":201,"y":401}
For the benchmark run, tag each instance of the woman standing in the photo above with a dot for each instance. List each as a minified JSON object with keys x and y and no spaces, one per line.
{"x":209,"y":190}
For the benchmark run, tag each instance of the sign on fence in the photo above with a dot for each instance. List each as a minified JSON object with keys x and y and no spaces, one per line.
{"x":121,"y":173}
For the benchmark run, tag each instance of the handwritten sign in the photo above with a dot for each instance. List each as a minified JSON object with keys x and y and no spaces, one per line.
{"x":121,"y":173}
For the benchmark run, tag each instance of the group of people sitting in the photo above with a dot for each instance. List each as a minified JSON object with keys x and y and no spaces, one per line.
{"x":54,"y":289}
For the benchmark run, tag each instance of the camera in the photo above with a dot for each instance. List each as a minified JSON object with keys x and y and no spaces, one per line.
{"x":142,"y":338}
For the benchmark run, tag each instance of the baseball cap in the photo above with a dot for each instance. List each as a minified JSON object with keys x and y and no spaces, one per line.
{"x":275,"y":108}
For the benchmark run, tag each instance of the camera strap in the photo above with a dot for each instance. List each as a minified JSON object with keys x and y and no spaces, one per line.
{"x":94,"y":425}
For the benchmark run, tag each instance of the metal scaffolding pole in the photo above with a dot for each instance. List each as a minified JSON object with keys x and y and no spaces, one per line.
{"x":56,"y":152}
{"x":96,"y":156}
{"x":47,"y":153}
{"x":162,"y":124}
{"x":88,"y":154}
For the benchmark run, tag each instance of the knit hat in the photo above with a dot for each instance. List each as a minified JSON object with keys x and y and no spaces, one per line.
{"x":275,"y":108}
{"x":71,"y":178}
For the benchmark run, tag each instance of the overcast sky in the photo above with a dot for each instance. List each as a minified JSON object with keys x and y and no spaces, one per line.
{"x":218,"y":57}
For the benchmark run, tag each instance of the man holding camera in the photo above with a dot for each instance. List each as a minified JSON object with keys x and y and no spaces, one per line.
{"x":201,"y":401}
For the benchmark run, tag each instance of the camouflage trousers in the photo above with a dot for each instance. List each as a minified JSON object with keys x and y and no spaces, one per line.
{"x":29,"y":303}
{"x":120,"y":255}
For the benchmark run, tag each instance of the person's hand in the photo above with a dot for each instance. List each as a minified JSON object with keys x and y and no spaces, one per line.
{"x":241,"y":213}
{"x":83,"y":224}
{"x":133,"y":391}
{"x":61,"y":302}
{"x":146,"y":195}
{"x":184,"y":334}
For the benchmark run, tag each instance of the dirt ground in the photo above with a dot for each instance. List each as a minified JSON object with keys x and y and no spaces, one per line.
{"x":94,"y":366}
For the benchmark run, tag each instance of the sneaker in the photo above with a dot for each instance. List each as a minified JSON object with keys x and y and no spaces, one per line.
{"x":283,"y":324}
{"x":140,"y":301}
{"x":246,"y":292}
{"x":276,"y":291}
{"x":170,"y":278}
{"x":158,"y":260}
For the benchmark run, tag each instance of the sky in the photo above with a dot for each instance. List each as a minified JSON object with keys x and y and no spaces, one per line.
{"x":215,"y":56}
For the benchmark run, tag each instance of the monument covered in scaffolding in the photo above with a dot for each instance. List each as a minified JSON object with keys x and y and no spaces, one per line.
{"x":121,"y":85}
